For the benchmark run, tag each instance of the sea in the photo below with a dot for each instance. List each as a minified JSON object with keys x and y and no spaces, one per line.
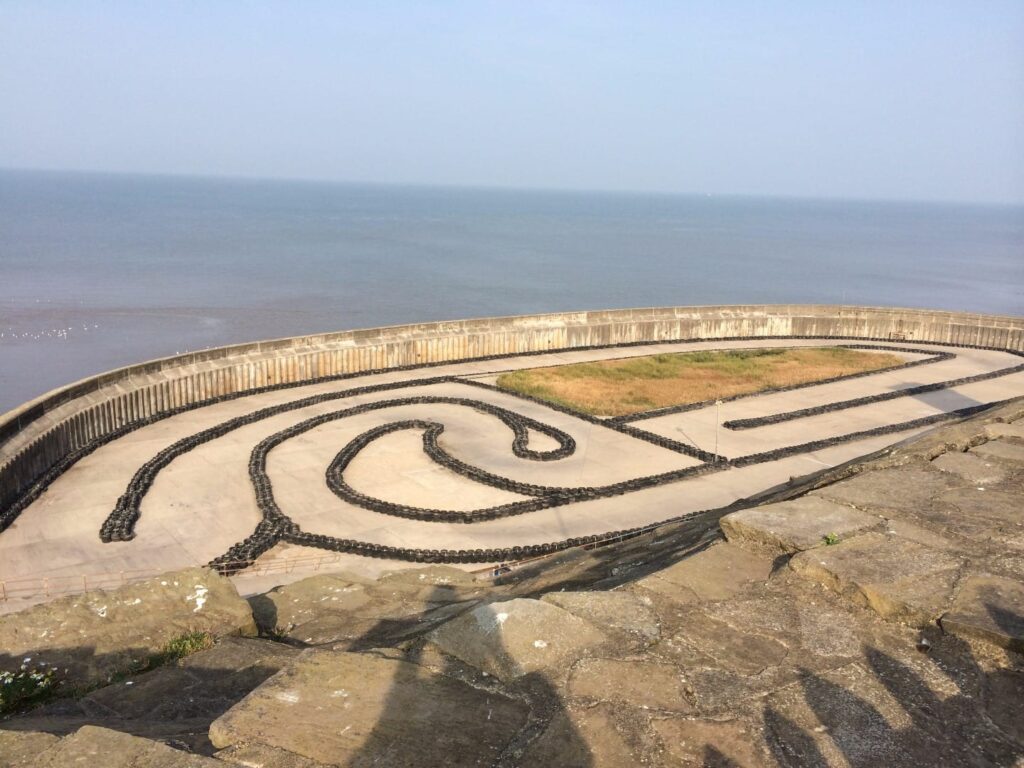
{"x":99,"y":271}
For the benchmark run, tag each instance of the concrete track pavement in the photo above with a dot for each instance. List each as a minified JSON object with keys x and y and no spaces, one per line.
{"x":203,"y":501}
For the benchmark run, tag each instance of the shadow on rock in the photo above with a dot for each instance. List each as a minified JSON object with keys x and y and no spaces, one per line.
{"x":174,"y":703}
{"x":945,"y":708}
{"x":542,"y":728}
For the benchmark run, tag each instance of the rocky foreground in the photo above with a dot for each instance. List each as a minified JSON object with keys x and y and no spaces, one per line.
{"x":873,"y":616}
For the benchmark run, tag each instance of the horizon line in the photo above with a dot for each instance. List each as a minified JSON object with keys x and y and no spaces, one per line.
{"x":513,"y":188}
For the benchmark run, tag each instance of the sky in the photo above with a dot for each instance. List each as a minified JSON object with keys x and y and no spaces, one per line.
{"x":821,"y":98}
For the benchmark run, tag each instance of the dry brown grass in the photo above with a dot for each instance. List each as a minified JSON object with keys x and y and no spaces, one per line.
{"x":620,"y":387}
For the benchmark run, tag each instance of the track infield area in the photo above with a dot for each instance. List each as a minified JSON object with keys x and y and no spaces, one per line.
{"x":634,"y":385}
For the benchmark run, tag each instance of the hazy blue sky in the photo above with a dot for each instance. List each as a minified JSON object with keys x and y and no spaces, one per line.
{"x":853,"y":99}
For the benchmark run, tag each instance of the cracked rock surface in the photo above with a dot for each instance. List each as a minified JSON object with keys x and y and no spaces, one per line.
{"x":516,"y":637}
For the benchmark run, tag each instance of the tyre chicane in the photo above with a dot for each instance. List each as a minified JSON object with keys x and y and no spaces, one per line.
{"x":45,"y":479}
{"x":243,"y":554}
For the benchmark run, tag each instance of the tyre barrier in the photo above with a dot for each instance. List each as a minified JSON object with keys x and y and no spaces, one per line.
{"x":856,"y":402}
{"x":41,"y":483}
{"x":275,"y":526}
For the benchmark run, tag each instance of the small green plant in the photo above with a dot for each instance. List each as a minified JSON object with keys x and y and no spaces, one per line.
{"x":24,"y":687}
{"x":830,"y":539}
{"x":277,"y":634}
{"x":182,"y":646}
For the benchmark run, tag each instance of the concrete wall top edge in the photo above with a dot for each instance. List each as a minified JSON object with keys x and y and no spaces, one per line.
{"x":18,"y":418}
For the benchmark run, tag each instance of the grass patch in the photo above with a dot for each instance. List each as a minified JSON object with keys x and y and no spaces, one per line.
{"x":622,"y":387}
{"x":182,"y":646}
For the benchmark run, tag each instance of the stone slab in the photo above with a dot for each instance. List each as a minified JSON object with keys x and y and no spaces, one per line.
{"x":889,"y":490}
{"x":1004,"y":450}
{"x":1001,"y":429}
{"x":971,"y":467}
{"x":888,"y":710}
{"x":584,"y":738}
{"x":359,"y":710}
{"x":738,"y":650}
{"x":795,"y":526}
{"x":614,"y":612}
{"x":20,"y":749}
{"x":715,"y":573}
{"x":517,"y":637}
{"x":333,"y":611}
{"x":818,"y":630}
{"x":986,"y":515}
{"x":94,"y":746}
{"x":199,"y":684}
{"x":174,"y":703}
{"x":899,"y":579}
{"x":1003,"y":695}
{"x":991,"y":609}
{"x":262,"y":756}
{"x":641,"y":684}
{"x":705,"y":742}
{"x":992,"y":506}
{"x":97,"y":634}
{"x":747,"y":651}
{"x":926,"y":536}
{"x":294,"y":604}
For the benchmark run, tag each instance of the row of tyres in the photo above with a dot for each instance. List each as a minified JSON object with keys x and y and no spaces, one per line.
{"x":919,"y":389}
{"x":276,"y":530}
{"x":39,"y":484}
{"x":625,"y":429}
{"x":119,"y":526}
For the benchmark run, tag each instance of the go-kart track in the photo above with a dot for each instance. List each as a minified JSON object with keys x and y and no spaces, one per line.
{"x":433,"y":463}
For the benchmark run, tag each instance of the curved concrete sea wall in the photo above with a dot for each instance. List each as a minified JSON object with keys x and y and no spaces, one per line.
{"x":41,"y":435}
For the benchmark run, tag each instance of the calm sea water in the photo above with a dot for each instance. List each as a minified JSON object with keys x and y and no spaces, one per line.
{"x":100,"y":271}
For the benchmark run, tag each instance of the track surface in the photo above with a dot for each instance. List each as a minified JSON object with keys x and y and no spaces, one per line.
{"x":435,"y":464}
